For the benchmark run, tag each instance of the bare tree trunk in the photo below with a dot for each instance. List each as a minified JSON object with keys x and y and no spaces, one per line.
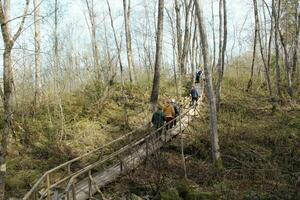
{"x":287,"y":65}
{"x":219,"y":65}
{"x":253,"y":57}
{"x":111,"y":66}
{"x":37,"y":43}
{"x":95,"y":48}
{"x":159,"y":39}
{"x":296,"y":43}
{"x":193,"y":58}
{"x":186,"y":43}
{"x":209,"y":87}
{"x":178,"y":29}
{"x":214,"y":34}
{"x":9,"y":41}
{"x":120,"y":62}
{"x":223,"y":44}
{"x":128,"y":41}
{"x":276,"y":17}
{"x":267,"y":75}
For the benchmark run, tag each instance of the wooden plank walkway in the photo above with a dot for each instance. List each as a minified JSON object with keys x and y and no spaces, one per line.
{"x":132,"y":149}
{"x":83,"y":188}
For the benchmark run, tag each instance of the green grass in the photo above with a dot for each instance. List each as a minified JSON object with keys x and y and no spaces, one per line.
{"x":259,"y":149}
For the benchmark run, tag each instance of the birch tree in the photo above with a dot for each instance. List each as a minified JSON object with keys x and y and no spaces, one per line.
{"x":37,"y":44}
{"x":159,"y":39}
{"x":126,"y":8}
{"x":9,"y":40}
{"x":266,"y":68}
{"x":209,"y":87}
{"x":93,"y":29}
{"x":222,"y":48}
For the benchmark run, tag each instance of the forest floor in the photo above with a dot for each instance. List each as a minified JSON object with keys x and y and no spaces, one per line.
{"x":260,"y":150}
{"x":39,"y":142}
{"x":260,"y":145}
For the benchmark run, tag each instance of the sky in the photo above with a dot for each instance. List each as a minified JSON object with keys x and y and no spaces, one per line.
{"x":74,"y":33}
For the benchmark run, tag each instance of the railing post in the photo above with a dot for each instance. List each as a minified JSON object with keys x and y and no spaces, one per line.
{"x":74,"y":189}
{"x":121,"y":166}
{"x":147,"y":146}
{"x":69,"y":169}
{"x":34,"y":195}
{"x":48,"y":187}
{"x":67,"y":196}
{"x":165,"y":134}
{"x":90,"y":185}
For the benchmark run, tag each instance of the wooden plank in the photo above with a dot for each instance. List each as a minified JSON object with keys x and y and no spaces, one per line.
{"x":129,"y":162}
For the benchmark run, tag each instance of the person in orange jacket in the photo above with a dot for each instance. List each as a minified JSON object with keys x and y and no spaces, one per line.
{"x":169,"y":113}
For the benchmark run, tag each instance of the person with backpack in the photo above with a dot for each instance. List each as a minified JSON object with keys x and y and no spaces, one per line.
{"x":158,"y":118}
{"x":169,"y":113}
{"x":194,"y":95}
{"x":176,"y":109}
{"x":198,"y":76}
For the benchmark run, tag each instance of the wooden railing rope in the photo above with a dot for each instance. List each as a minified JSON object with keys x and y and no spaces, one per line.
{"x":44,"y":187}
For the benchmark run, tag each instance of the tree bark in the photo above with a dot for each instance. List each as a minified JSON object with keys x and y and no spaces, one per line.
{"x":120,"y":63}
{"x":253,"y":57}
{"x":37,"y":44}
{"x":276,"y":17}
{"x":287,"y":65}
{"x":267,"y":75}
{"x":95,"y":48}
{"x":186,"y":41}
{"x":220,"y":59}
{"x":131,"y":66}
{"x":214,"y":34}
{"x":209,"y":87}
{"x":178,"y":30}
{"x":159,"y":39}
{"x":7,"y":82}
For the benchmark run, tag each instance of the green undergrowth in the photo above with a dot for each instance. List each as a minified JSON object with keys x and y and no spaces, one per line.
{"x":92,"y":117}
{"x":260,"y":150}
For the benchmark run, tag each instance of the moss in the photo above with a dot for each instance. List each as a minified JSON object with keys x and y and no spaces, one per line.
{"x":196,"y":195}
{"x":171,"y":194}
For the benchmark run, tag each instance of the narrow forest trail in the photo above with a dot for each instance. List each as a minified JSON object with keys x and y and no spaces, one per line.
{"x":70,"y":180}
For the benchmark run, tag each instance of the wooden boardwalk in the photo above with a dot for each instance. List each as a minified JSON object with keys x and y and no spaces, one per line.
{"x":83,"y":183}
{"x":84,"y":189}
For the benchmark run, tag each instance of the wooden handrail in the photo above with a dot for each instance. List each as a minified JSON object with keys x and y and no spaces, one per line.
{"x":123,"y":149}
{"x":68,"y":163}
{"x":72,"y":176}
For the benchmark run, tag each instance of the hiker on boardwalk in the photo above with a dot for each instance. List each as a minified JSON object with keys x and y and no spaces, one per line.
{"x":195,"y":95}
{"x":158,"y":118}
{"x":169,"y":113}
{"x":176,"y":109}
{"x":198,"y":76}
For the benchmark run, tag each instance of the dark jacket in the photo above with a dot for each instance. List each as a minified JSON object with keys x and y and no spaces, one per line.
{"x":158,"y":119}
{"x":198,"y":75}
{"x":176,"y":108}
{"x":194,"y":93}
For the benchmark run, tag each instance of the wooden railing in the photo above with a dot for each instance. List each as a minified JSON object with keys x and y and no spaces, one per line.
{"x":111,"y":154}
{"x":48,"y":182}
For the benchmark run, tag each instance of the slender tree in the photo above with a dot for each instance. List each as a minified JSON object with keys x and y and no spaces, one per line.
{"x":37,"y":44}
{"x":266,"y":68}
{"x":209,"y":86}
{"x":131,"y":66}
{"x":186,"y":40}
{"x":9,"y":41}
{"x":276,"y":16}
{"x":159,"y":39}
{"x":120,"y":61}
{"x":253,"y":57}
{"x":93,"y":32}
{"x":222,"y":48}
